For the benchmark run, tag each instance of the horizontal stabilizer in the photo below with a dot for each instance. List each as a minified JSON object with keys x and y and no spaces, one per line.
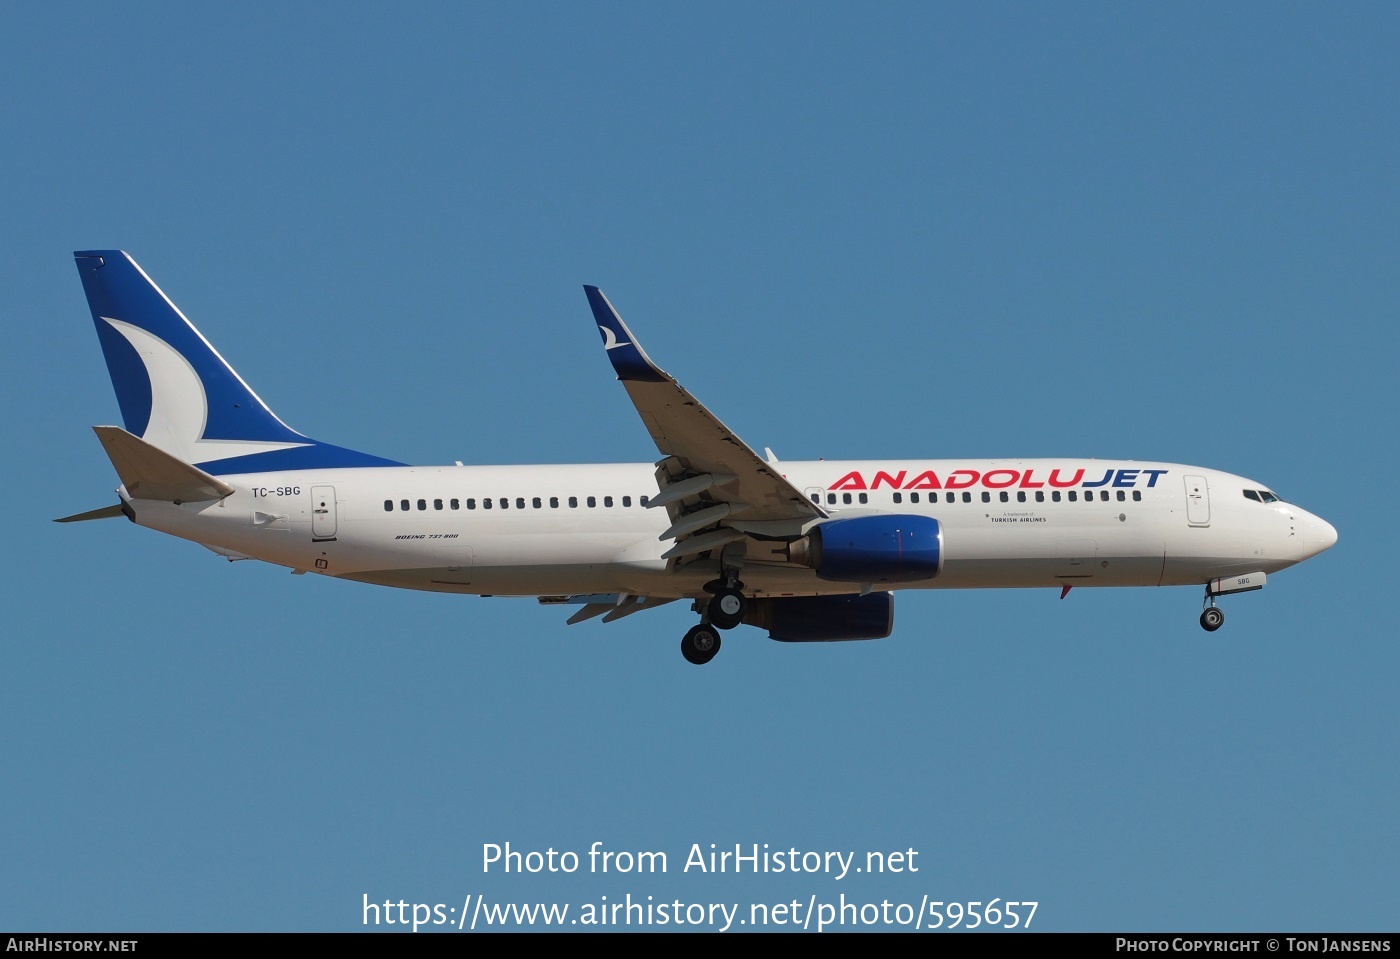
{"x":105,"y":512}
{"x":151,"y":473}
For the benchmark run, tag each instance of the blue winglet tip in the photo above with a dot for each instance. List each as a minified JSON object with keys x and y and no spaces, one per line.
{"x":629,"y":360}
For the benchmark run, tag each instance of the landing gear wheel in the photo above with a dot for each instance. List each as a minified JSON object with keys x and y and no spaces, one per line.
{"x":727,"y":608}
{"x":700,"y":645}
{"x":1212,"y":618}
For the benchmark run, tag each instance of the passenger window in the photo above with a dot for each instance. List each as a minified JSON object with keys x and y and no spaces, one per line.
{"x":437,"y":504}
{"x":1073,"y":496}
{"x":967,"y":497}
{"x":455,"y":504}
{"x":1040,"y":496}
{"x":1103,"y":495}
{"x":573,"y":502}
{"x":536,"y":502}
{"x":505,"y":502}
{"x":644,"y":501}
{"x":592,"y":502}
{"x":846,"y":498}
{"x":986,"y":497}
{"x":899,"y":498}
{"x":1137,"y":496}
{"x":1020,"y":496}
{"x":422,"y":504}
{"x":403,"y":504}
{"x":388,"y":506}
{"x":471,"y":503}
{"x":554,"y":502}
{"x":816,"y":498}
{"x":1005,"y":497}
{"x":626,"y":501}
{"x":952,"y":497}
{"x":830,"y":499}
{"x":486,"y":502}
{"x":520,"y":502}
{"x":1055,"y":496}
{"x":607,"y":501}
{"x":864,"y":498}
{"x":1122,"y":496}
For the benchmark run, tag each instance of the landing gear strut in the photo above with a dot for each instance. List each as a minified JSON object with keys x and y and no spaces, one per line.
{"x":724,"y":609}
{"x":1212,"y":617}
{"x":727,"y":604}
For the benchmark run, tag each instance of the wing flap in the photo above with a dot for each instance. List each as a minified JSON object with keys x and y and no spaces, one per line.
{"x":611,"y":606}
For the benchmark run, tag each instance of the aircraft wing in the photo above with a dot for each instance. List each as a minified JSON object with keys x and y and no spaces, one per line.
{"x":714,"y":486}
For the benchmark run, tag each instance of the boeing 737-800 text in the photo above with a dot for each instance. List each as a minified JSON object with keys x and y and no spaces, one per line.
{"x":809,"y":551}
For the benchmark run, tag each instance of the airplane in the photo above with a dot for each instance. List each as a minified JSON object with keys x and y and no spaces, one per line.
{"x":809,"y":551}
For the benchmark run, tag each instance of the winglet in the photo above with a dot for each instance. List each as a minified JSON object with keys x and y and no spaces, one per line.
{"x":628,"y":358}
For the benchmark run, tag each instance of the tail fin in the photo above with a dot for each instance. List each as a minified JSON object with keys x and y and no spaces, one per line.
{"x":177,"y":393}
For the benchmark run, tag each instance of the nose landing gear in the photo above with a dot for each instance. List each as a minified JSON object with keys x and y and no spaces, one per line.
{"x":1212,"y":617}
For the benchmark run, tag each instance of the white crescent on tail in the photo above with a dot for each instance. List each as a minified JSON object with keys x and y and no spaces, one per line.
{"x":177,"y":417}
{"x":610,"y":339}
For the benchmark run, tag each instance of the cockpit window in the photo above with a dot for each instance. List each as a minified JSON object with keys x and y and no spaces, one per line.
{"x":1267,"y":497}
{"x":1252,"y":494}
{"x":1260,"y":496}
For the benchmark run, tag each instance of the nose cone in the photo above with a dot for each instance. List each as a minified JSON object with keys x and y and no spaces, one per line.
{"x":1318,"y":534}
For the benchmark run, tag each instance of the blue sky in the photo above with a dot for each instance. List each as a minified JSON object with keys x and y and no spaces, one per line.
{"x":1149,"y":231}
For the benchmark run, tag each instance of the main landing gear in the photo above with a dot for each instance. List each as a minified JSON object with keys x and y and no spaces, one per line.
{"x":725,"y":609}
{"x":1212,"y":617}
{"x":700,"y":644}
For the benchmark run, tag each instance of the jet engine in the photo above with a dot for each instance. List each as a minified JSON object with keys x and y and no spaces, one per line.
{"x":823,"y":619}
{"x":872,"y":549}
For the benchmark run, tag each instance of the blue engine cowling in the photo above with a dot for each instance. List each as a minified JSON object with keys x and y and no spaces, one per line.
{"x":873,"y":549}
{"x":824,"y":619}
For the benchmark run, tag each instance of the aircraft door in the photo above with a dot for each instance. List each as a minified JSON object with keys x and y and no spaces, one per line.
{"x":322,"y":513}
{"x":1197,"y":501}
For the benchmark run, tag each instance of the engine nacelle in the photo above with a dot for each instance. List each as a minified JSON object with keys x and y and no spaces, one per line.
{"x":872,"y":549}
{"x":824,"y":619}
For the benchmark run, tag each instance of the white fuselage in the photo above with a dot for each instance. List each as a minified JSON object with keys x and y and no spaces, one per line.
{"x":574,"y":529}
